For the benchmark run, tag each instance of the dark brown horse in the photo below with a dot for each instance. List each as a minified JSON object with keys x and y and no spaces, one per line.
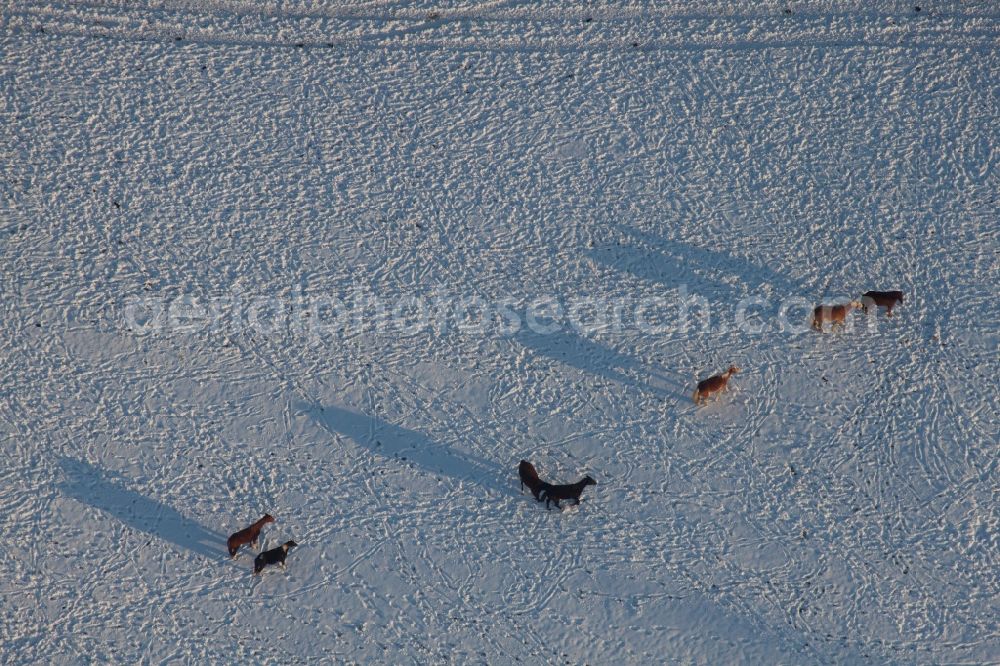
{"x":529,"y":477}
{"x":884,"y":299}
{"x":569,"y":491}
{"x":273,"y":556}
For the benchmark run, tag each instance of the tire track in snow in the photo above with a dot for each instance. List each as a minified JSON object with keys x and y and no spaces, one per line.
{"x":518,"y":32}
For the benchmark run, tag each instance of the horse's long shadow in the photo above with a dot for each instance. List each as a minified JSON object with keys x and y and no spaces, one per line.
{"x":108,"y":492}
{"x":408,"y":446}
{"x":591,"y":357}
{"x":675,"y":263}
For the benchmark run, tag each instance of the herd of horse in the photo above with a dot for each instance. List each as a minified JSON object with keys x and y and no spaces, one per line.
{"x":552,"y":494}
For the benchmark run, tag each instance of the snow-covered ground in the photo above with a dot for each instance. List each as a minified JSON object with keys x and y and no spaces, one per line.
{"x":205,"y":205}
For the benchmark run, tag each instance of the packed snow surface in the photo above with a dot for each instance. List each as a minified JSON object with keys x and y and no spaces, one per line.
{"x":347,"y":264}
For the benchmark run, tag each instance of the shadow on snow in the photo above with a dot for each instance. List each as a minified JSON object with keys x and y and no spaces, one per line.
{"x":109,"y":492}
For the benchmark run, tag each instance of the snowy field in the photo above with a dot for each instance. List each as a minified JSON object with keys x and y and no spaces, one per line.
{"x":349,"y":263}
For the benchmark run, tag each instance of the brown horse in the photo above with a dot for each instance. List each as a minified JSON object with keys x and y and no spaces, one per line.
{"x":714,"y":384}
{"x":836,"y":314}
{"x":247,"y":535}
